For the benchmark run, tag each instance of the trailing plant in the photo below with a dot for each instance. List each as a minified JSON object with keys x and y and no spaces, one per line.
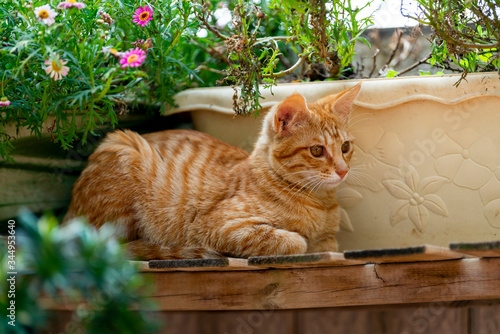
{"x":75,"y":264}
{"x":321,"y":34}
{"x":466,"y":33}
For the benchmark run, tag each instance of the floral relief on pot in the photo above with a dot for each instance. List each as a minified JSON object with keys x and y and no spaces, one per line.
{"x":416,"y":198}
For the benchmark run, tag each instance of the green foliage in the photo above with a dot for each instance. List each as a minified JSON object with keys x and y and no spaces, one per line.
{"x":73,"y":263}
{"x":259,"y":45}
{"x":392,"y":74}
{"x":466,"y":33}
{"x":326,"y":31}
{"x":96,"y":84}
{"x":299,"y":31}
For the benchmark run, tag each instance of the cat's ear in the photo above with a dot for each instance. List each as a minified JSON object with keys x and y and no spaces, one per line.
{"x":344,"y":103}
{"x":291,"y":112}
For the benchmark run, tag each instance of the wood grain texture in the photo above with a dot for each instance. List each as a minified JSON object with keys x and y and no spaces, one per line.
{"x":374,"y":284}
{"x":35,"y":190}
{"x":406,"y":254}
{"x":485,"y":319}
{"x":430,"y":318}
{"x":246,"y":322}
{"x":179,"y":322}
{"x":481,"y":249}
{"x":371,"y":284}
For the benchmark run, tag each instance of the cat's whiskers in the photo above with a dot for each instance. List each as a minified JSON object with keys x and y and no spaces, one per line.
{"x":281,"y":166}
{"x":308,"y":182}
{"x":352,"y":123}
{"x":356,"y":180}
{"x":317,"y":185}
{"x":360,"y":172}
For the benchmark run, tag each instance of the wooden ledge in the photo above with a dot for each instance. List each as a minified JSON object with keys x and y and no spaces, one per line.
{"x":295,"y":288}
{"x":323,"y":280}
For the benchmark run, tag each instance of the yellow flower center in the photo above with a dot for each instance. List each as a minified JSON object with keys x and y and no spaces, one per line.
{"x":144,"y":16}
{"x":71,"y":1}
{"x":56,"y":66}
{"x":43,"y":14}
{"x":132,"y":59}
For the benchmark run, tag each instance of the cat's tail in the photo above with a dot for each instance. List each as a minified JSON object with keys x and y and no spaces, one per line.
{"x":144,"y":250}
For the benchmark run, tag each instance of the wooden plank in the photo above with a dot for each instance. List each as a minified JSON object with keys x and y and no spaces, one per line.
{"x":302,"y":260}
{"x":372,"y":284}
{"x":428,"y":318}
{"x":225,"y":264}
{"x":254,"y":322}
{"x":178,"y":322}
{"x":35,"y":190}
{"x":406,"y":254}
{"x":481,"y":249}
{"x":485,"y":319}
{"x":188,"y":263}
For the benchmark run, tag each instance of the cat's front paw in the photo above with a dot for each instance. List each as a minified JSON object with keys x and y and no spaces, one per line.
{"x":288,"y":243}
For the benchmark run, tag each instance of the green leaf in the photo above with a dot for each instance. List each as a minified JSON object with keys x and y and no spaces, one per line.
{"x":392,"y":74}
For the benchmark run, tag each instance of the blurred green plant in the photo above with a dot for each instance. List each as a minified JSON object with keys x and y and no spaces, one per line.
{"x":73,"y":263}
{"x":466,"y":33}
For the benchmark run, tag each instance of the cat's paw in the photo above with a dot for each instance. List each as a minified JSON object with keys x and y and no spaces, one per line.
{"x":288,"y":243}
{"x":271,"y":241}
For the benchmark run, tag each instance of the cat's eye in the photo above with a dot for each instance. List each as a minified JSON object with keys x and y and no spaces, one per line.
{"x":346,"y":146}
{"x":317,"y":151}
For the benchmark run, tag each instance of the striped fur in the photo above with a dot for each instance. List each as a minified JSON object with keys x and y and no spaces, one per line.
{"x":185,"y":194}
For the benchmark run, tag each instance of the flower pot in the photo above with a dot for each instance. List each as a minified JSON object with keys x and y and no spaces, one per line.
{"x":426,"y":167}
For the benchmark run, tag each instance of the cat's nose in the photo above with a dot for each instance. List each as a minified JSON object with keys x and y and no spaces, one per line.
{"x":342,"y":173}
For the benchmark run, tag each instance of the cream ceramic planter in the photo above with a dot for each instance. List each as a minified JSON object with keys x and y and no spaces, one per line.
{"x":426,"y":167}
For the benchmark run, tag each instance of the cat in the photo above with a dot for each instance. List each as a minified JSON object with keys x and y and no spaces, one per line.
{"x":185,"y":194}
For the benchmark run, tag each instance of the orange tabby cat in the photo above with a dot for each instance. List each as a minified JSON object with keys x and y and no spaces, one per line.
{"x":185,"y":194}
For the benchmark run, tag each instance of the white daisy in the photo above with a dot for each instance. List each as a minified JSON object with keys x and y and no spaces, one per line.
{"x":45,"y":14}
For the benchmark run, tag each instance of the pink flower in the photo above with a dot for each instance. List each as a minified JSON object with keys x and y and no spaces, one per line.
{"x":56,"y":67}
{"x":143,"y":15}
{"x":71,"y":3}
{"x":4,"y":102}
{"x":133,"y":58}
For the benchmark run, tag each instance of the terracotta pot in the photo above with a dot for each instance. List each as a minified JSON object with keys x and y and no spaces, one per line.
{"x":426,"y":167}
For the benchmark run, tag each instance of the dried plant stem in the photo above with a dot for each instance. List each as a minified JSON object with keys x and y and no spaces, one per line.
{"x":418,"y":63}
{"x":209,"y":69}
{"x":393,"y":52}
{"x":211,"y":28}
{"x":213,"y":52}
{"x":374,"y":63}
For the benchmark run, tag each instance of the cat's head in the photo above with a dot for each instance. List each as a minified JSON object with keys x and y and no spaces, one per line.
{"x":309,"y":144}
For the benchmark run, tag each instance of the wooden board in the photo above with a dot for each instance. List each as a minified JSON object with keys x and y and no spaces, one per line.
{"x":188,"y":263}
{"x":253,"y":263}
{"x":407,"y":254}
{"x":302,"y":260}
{"x":35,"y":190}
{"x":481,"y":249}
{"x":225,"y":264}
{"x":371,"y":284}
